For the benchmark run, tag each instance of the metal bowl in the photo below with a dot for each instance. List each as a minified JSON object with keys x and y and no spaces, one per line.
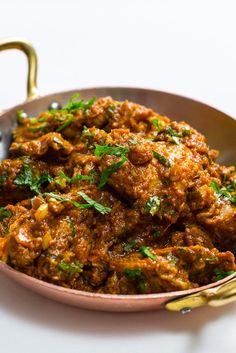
{"x":220,"y":130}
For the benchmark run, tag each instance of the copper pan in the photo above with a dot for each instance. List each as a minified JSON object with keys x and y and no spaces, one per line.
{"x":220,"y":130}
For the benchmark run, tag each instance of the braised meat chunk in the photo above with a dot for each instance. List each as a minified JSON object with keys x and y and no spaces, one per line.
{"x":110,"y":197}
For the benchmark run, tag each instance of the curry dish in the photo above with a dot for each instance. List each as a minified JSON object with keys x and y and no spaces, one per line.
{"x":110,"y":197}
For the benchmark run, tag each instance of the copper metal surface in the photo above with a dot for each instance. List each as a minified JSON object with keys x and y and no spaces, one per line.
{"x":220,"y":130}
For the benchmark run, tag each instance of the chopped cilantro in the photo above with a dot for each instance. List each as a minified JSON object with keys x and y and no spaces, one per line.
{"x":25,"y":178}
{"x":70,"y":268}
{"x":3,"y":178}
{"x":112,"y":151}
{"x":66,"y":199}
{"x":186,"y":131}
{"x":75,"y":178}
{"x":153,"y":205}
{"x":175,"y":137}
{"x":41,"y":127}
{"x":92,"y":203}
{"x":156,"y":123}
{"x":146,"y":251}
{"x":133,"y":273}
{"x":130,"y":245}
{"x":72,"y":226}
{"x":75,"y":104}
{"x":4,"y":213}
{"x":86,"y":132}
{"x":161,"y":159}
{"x":221,"y":274}
{"x":110,"y":170}
{"x":68,"y":122}
{"x":225,"y":191}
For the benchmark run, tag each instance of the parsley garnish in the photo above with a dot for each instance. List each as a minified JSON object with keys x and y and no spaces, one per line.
{"x":70,"y":268}
{"x":74,"y":179}
{"x":133,"y":273}
{"x":75,"y":104}
{"x":111,"y":151}
{"x":42,"y":127}
{"x":225,"y":191}
{"x":3,"y":178}
{"x":221,"y":274}
{"x":146,"y":251}
{"x":130,"y":245}
{"x":175,"y":137}
{"x":92,"y":203}
{"x":161,"y":159}
{"x":4,"y":213}
{"x":156,"y":123}
{"x":25,"y":178}
{"x":153,"y":205}
{"x":72,"y":226}
{"x":66,"y":199}
{"x":68,"y":122}
{"x":110,"y":170}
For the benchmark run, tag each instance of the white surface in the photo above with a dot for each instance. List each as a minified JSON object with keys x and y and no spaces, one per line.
{"x":186,"y":47}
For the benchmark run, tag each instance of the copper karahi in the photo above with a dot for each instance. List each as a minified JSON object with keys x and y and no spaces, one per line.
{"x":208,"y":120}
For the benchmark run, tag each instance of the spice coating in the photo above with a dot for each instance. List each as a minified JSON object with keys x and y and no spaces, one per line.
{"x":110,"y":197}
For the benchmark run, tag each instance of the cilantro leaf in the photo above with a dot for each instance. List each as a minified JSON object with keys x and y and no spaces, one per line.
{"x":68,"y":122}
{"x":146,"y":251}
{"x":75,"y":104}
{"x":161,"y":159}
{"x":225,"y":191}
{"x":100,"y":208}
{"x":133,"y":273}
{"x":4,"y":213}
{"x":175,"y":136}
{"x":156,"y":123}
{"x":70,"y":268}
{"x":111,"y":151}
{"x":110,"y":170}
{"x":74,"y":179}
{"x":130,"y":245}
{"x":3,"y":178}
{"x":66,"y":199}
{"x":153,"y":205}
{"x":221,"y":274}
{"x":25,"y":178}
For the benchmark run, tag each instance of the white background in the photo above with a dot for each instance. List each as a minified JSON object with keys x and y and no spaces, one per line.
{"x":186,"y":47}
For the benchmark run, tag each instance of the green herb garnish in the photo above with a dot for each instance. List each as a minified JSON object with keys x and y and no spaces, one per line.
{"x":75,"y":104}
{"x":146,"y":251}
{"x":161,"y":159}
{"x":72,"y":226}
{"x":66,"y":199}
{"x":109,"y":150}
{"x":4,"y":213}
{"x":66,"y":124}
{"x":133,"y":141}
{"x":156,"y":123}
{"x":221,"y":274}
{"x":3,"y":178}
{"x":92,"y":203}
{"x":25,"y":178}
{"x":153,"y":205}
{"x":110,"y":170}
{"x":130,"y":245}
{"x":70,"y":268}
{"x":133,"y":273}
{"x":41,"y":127}
{"x":74,"y":179}
{"x":225,"y":191}
{"x":175,"y":137}
{"x":186,"y":131}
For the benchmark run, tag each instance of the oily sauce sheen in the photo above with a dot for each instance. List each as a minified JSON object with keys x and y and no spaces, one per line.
{"x":110,"y":197}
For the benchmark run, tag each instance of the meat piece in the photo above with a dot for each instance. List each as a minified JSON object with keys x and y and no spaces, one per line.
{"x":51,"y":143}
{"x":171,"y":269}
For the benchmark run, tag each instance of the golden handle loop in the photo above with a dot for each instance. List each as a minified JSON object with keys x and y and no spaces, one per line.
{"x":217,"y":296}
{"x":26,"y":47}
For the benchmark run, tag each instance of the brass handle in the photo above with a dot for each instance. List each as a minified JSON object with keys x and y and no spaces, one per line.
{"x":26,"y":47}
{"x":217,"y":296}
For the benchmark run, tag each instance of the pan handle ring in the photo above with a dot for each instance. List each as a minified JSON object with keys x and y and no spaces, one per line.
{"x":27,"y":48}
